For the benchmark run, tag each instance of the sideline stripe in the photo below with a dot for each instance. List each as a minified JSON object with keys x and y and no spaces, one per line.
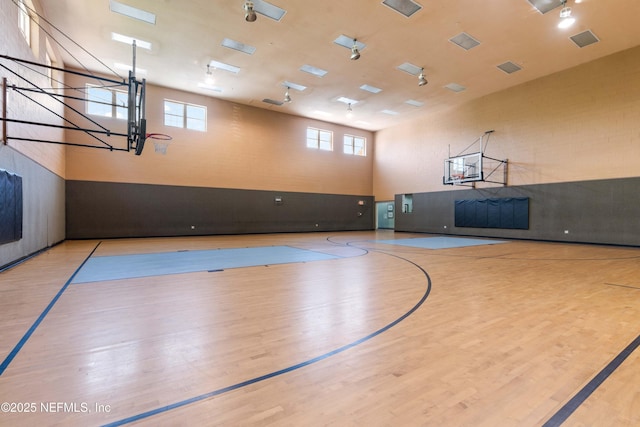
{"x":565,"y":412}
{"x":285,"y":370}
{"x":32,"y":329}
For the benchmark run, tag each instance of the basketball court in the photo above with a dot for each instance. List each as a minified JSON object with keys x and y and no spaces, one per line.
{"x":376,"y":328}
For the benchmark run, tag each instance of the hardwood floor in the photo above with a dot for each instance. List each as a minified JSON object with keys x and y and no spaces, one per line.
{"x":386,"y":335}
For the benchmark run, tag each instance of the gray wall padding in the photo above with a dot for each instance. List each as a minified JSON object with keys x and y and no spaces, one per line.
{"x":109,"y":210}
{"x":43,"y":216}
{"x":599,"y":211}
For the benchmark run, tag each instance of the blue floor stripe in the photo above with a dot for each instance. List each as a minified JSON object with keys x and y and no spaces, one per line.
{"x":441,"y":242}
{"x":32,"y":329}
{"x":281,"y":371}
{"x":156,"y":264}
{"x":569,"y":408}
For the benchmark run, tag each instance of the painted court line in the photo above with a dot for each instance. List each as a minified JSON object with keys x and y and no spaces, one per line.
{"x":32,"y":329}
{"x":223,"y":390}
{"x":569,"y":408}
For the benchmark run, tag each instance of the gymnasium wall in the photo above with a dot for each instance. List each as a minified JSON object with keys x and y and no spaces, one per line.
{"x":41,"y":166}
{"x":572,"y":140}
{"x":225,"y":179}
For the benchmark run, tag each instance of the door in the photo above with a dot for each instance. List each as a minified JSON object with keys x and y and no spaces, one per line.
{"x":385,"y":215}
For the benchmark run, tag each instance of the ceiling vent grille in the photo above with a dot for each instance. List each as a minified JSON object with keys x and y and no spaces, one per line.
{"x":405,"y":7}
{"x":544,"y":6}
{"x":465,"y":41}
{"x":584,"y":38}
{"x":509,"y":67}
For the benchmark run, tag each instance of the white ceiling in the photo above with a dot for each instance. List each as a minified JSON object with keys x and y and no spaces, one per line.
{"x":188,"y":34}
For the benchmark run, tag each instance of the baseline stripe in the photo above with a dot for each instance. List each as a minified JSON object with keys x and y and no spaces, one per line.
{"x":32,"y":329}
{"x":569,"y":408}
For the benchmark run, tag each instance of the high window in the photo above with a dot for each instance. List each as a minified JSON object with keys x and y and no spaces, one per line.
{"x":24,"y":21}
{"x":320,"y":139}
{"x":355,"y":145}
{"x":187,"y":116}
{"x":107,"y":102}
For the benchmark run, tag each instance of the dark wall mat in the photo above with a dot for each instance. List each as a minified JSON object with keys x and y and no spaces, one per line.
{"x":598,"y":211}
{"x":10,"y":207}
{"x":509,"y":212}
{"x":108,"y":210}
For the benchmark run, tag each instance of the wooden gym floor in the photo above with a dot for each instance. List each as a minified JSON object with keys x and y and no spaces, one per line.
{"x":514,"y":334}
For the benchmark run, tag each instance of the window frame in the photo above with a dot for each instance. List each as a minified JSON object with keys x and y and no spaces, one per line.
{"x":186,"y":120}
{"x":24,"y":21}
{"x":115,"y":108}
{"x":317,"y":142}
{"x":350,"y":148}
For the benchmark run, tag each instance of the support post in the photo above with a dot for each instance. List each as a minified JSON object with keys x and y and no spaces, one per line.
{"x":4,"y":110}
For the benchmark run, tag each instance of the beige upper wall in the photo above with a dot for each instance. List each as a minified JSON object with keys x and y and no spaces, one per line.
{"x":244,"y":148}
{"x":51,"y":156}
{"x":579,"y":124}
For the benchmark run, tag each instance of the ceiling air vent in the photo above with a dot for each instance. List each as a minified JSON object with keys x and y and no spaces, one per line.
{"x":465,"y":41}
{"x":585,"y":38}
{"x":405,"y":7}
{"x":509,"y":67}
{"x":544,"y":6}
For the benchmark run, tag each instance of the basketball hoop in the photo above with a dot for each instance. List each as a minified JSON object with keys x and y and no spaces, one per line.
{"x":160,"y":142}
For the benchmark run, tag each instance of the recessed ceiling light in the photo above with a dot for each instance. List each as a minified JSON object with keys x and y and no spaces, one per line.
{"x":371,"y":89}
{"x":272,"y":102}
{"x":292,"y":85}
{"x":455,"y":87}
{"x":348,"y":42}
{"x":129,"y":40}
{"x":390,"y":112}
{"x":241,"y":47}
{"x":210,"y":87}
{"x":226,"y":67}
{"x":318,"y":72}
{"x":125,"y":67}
{"x":347,"y":100}
{"x":132,"y":12}
{"x":268,"y":10}
{"x":407,"y":67}
{"x":414,"y":103}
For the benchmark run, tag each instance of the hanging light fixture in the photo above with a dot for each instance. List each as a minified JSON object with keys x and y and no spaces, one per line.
{"x":421,"y":78}
{"x":209,"y":76}
{"x":566,"y":20}
{"x":287,"y":97}
{"x":349,"y":111}
{"x":249,"y":11}
{"x":355,"y":53}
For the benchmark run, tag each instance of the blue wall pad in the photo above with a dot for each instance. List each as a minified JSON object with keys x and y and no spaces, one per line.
{"x":440,"y":242}
{"x":102,"y":268}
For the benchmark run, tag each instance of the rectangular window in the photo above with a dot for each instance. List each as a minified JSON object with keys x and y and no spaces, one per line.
{"x":24,"y":21}
{"x":320,"y":139}
{"x":187,"y":116}
{"x":355,"y":145}
{"x":107,"y":102}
